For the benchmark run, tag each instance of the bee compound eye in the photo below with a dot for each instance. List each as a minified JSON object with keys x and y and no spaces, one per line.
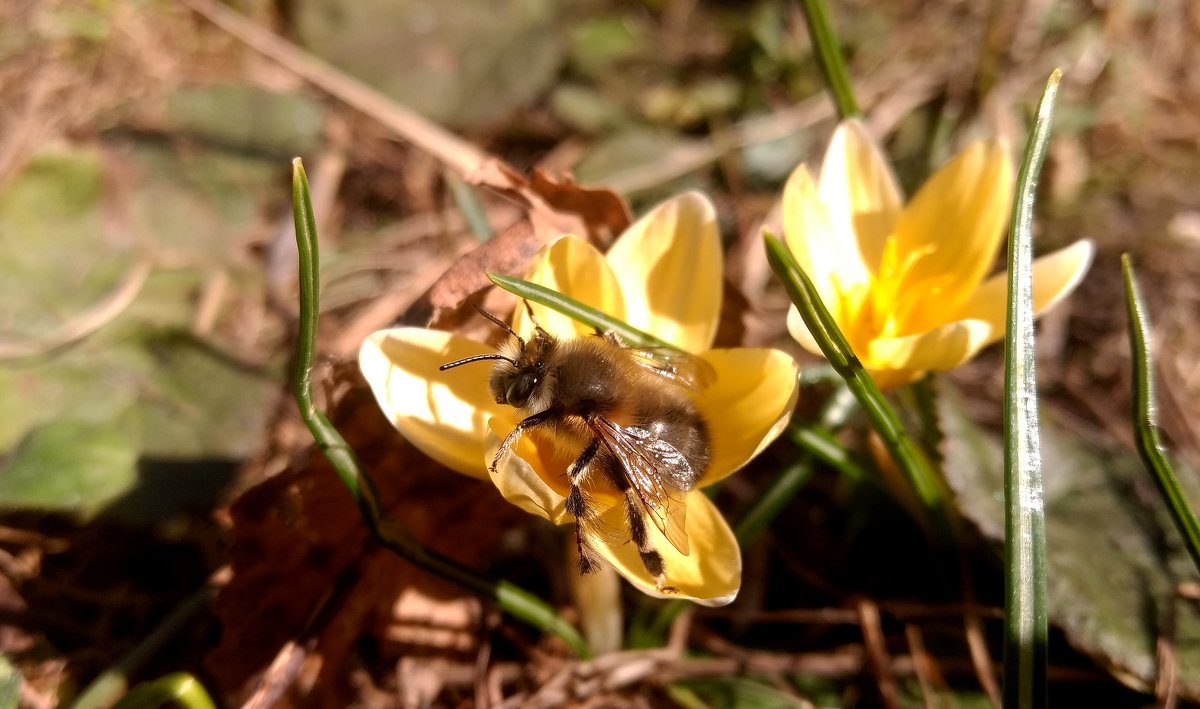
{"x":519,"y":390}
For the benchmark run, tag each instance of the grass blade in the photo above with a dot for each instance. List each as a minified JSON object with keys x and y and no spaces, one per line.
{"x":180,"y":689}
{"x":575,"y":310}
{"x":1145,"y":418}
{"x":516,"y":601}
{"x":1024,"y":514}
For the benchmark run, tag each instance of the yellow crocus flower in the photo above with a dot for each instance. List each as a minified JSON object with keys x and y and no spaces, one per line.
{"x":908,"y":284}
{"x":663,"y":276}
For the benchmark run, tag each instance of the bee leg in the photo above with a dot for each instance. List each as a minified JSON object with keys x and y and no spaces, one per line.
{"x":651,"y":559}
{"x":577,"y":507}
{"x":511,"y":439}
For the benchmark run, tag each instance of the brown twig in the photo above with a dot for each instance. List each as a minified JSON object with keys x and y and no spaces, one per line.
{"x":454,"y":152}
{"x":923,"y":664}
{"x":878,"y":658}
{"x":981,"y":659}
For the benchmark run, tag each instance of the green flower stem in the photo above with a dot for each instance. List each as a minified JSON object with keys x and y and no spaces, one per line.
{"x":577,"y":311}
{"x":517,"y":602}
{"x":112,"y":683}
{"x":829,"y":57}
{"x":921,"y":476}
{"x":1145,"y":418}
{"x":180,"y":689}
{"x":1024,"y":498}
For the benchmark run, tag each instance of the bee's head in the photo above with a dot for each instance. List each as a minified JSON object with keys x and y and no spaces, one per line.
{"x":520,"y":367}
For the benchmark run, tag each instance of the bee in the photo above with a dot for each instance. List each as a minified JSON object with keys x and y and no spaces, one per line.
{"x":628,"y":415}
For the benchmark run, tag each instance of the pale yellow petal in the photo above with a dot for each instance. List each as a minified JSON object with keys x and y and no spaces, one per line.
{"x":827,"y":257}
{"x":574,"y":267}
{"x":444,"y":414}
{"x":1055,"y":275}
{"x":670,"y":268}
{"x":940,"y":349}
{"x":533,"y":476}
{"x":747,"y":406}
{"x":860,"y":191}
{"x":521,"y":477}
{"x":947,"y":238}
{"x":711,"y":574}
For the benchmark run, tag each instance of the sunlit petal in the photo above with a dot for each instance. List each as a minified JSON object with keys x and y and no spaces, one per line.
{"x":747,"y":406}
{"x":573,"y":267}
{"x":443,"y":413}
{"x":1055,"y":275}
{"x":860,"y":191}
{"x":521,"y":477}
{"x":827,"y":257}
{"x":710,"y":574}
{"x":948,"y":236}
{"x":670,"y":268}
{"x":533,"y":476}
{"x":940,"y":349}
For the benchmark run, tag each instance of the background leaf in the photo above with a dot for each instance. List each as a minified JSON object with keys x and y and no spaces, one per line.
{"x":1113,"y":559}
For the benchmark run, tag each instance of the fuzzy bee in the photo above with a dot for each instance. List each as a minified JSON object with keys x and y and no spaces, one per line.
{"x":628,"y":415}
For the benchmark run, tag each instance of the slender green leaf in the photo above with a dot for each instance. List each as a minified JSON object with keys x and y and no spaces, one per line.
{"x":179,"y":688}
{"x":1145,"y":418}
{"x":512,"y":599}
{"x":929,"y":488}
{"x":576,"y":310}
{"x":1024,"y":498}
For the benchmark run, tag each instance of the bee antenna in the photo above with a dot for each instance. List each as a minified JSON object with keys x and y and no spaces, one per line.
{"x":475,"y":358}
{"x":501,"y":324}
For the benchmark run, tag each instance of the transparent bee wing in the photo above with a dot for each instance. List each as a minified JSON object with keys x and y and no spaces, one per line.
{"x":657,"y":472}
{"x":687,"y":370}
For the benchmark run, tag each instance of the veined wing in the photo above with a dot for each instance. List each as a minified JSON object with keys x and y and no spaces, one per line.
{"x":683,"y":368}
{"x":654,"y":469}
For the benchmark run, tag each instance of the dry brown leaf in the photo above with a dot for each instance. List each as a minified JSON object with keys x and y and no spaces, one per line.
{"x":303,"y":567}
{"x":553,"y":207}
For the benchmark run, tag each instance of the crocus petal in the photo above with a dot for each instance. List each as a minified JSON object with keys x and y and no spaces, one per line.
{"x":710,"y":574}
{"x":748,"y":404}
{"x":1055,"y":275}
{"x":533,"y":475}
{"x":826,"y":255}
{"x":521,"y":478}
{"x":670,"y":268}
{"x":948,"y":235}
{"x":574,"y":267}
{"x":940,"y":349}
{"x":860,"y":191}
{"x":444,"y":414}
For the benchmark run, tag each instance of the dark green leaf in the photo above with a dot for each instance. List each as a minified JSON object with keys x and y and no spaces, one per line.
{"x":1113,"y":560}
{"x":71,"y":467}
